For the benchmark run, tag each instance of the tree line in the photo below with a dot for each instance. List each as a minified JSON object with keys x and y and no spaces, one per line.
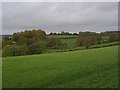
{"x":91,"y":38}
{"x":63,"y":33}
{"x":30,"y":42}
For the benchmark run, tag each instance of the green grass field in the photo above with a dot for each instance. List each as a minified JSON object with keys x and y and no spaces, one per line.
{"x":61,"y":36}
{"x":93,"y":68}
{"x":70,"y":42}
{"x":105,"y":37}
{"x":65,"y":36}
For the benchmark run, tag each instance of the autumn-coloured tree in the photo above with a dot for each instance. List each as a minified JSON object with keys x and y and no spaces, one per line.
{"x":30,"y":41}
{"x":88,"y":40}
{"x":22,"y":40}
{"x":27,"y":34}
{"x":40,"y":35}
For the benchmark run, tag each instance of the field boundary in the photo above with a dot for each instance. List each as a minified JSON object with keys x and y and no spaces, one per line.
{"x":84,"y":48}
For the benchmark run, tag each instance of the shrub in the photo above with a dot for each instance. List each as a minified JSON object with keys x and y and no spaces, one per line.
{"x":4,"y":43}
{"x":113,"y":37}
{"x":88,"y":41}
{"x":20,"y":50}
{"x":7,"y":50}
{"x":14,"y":50}
{"x":37,"y":48}
{"x":55,"y":43}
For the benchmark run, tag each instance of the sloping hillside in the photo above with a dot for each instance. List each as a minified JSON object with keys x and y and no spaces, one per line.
{"x":94,"y":68}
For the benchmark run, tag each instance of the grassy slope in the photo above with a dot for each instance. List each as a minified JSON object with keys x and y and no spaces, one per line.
{"x":62,"y":36}
{"x":70,"y":42}
{"x":83,"y":69}
{"x":103,"y":37}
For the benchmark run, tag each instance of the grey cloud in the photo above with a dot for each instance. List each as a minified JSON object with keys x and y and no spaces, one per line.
{"x":56,"y":17}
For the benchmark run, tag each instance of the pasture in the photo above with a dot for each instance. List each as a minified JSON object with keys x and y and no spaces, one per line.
{"x":93,"y":68}
{"x":63,"y":36}
{"x":70,"y":42}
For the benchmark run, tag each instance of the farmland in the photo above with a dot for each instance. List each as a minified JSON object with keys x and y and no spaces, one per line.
{"x":94,"y":68}
{"x":59,"y":45}
{"x":72,"y":43}
{"x":33,"y":61}
{"x":62,"y":36}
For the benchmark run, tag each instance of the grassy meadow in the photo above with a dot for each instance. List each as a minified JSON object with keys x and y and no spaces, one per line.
{"x":70,"y":42}
{"x":93,"y":68}
{"x":63,"y":36}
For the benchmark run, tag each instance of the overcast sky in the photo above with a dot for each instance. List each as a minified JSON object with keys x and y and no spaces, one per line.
{"x":59,"y":16}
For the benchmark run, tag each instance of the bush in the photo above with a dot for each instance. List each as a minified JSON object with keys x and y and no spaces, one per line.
{"x":88,"y":41}
{"x":14,"y":50}
{"x":37,"y":48}
{"x":4,"y":43}
{"x":55,"y":43}
{"x":113,"y":37}
{"x":23,"y":49}
{"x":7,"y":50}
{"x":20,"y":50}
